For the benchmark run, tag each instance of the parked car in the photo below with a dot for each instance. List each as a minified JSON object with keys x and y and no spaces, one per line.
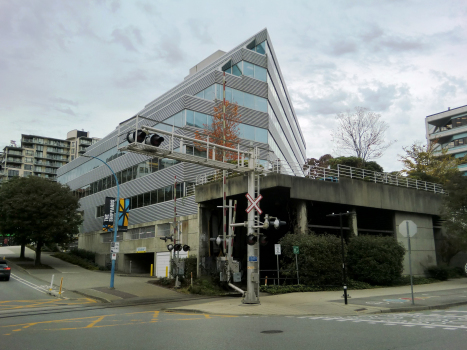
{"x":5,"y":270}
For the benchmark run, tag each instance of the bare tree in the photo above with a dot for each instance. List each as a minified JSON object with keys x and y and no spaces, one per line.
{"x":361,"y":133}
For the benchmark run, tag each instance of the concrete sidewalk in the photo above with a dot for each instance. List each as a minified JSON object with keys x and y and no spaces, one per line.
{"x":94,"y":284}
{"x":391,"y":299}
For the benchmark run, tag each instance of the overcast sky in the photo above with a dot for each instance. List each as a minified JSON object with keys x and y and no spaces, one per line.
{"x":83,"y":64}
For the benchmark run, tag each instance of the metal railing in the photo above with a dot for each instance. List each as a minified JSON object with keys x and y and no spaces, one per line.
{"x":332,"y":175}
{"x":141,"y":235}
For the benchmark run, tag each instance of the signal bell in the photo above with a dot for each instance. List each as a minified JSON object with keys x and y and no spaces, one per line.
{"x":170,"y":247}
{"x":136,"y":136}
{"x":154,"y":140}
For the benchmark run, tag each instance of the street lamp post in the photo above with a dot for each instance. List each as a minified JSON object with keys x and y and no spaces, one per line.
{"x":344,"y":275}
{"x":115,"y":228}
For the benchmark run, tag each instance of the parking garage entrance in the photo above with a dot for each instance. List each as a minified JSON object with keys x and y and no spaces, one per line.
{"x":138,"y":263}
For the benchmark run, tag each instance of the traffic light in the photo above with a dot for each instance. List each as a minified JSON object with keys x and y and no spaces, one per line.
{"x":170,"y":247}
{"x":136,"y":136}
{"x":177,"y":247}
{"x":263,"y":240}
{"x":186,"y":248}
{"x":154,"y":140}
{"x":251,"y":239}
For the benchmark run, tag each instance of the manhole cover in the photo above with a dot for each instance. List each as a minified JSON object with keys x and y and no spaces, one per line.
{"x":271,"y":332}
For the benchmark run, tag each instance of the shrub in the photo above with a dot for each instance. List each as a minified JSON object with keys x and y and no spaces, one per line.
{"x":375,"y":260}
{"x":73,"y":259}
{"x":438,"y":272}
{"x":319,"y":261}
{"x":83,"y":254}
{"x":190,"y":266}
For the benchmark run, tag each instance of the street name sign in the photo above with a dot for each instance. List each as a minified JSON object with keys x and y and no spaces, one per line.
{"x":296,"y":250}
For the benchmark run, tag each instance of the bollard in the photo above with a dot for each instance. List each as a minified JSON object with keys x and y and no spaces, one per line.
{"x":166,"y":271}
{"x":51,"y":283}
{"x":61,"y":283}
{"x":152,"y":270}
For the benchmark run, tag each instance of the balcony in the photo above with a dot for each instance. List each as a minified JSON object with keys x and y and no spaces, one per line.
{"x":15,"y":153}
{"x":58,"y":151}
{"x":446,"y":133}
{"x":14,"y":160}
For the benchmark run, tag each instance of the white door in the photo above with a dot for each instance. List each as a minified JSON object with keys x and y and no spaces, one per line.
{"x":163,"y":261}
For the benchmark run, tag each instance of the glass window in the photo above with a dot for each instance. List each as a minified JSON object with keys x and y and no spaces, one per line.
{"x":104,"y":183}
{"x":219,"y":94}
{"x":260,"y":48}
{"x":248,"y":69}
{"x":209,"y":120}
{"x":228,"y":94}
{"x":154,"y":165}
{"x":160,"y":195}
{"x":189,"y":150}
{"x":140,"y":200}
{"x":261,"y":73}
{"x":99,"y":185}
{"x":249,"y":101}
{"x":261,"y":135}
{"x":200,"y":94}
{"x":236,"y":70}
{"x":261,"y":104}
{"x":248,"y":132}
{"x":133,"y":202}
{"x":28,"y":167}
{"x":169,"y":121}
{"x":209,"y":93}
{"x":237,"y":97}
{"x":146,"y":198}
{"x":179,"y":190}
{"x":178,"y":119}
{"x":168,"y":192}
{"x":200,"y":120}
{"x":190,"y":119}
{"x":229,"y":70}
{"x":154,"y":197}
{"x":119,"y":177}
{"x":199,"y":153}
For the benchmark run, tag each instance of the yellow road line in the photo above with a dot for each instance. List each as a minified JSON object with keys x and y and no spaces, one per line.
{"x":92,"y":324}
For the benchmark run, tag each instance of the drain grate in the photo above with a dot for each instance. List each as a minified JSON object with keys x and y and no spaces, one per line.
{"x":271,"y":332}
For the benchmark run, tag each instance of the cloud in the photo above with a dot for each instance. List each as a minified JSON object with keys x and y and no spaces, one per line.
{"x":200,"y":30}
{"x":64,"y":101}
{"x":168,"y":48}
{"x":129,"y":37}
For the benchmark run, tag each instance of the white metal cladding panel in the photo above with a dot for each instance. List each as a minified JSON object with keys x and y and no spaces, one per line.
{"x":281,"y":145}
{"x":159,"y":211}
{"x":166,"y":110}
{"x":274,"y":60}
{"x":284,"y":129}
{"x":191,"y":89}
{"x":289,"y":117}
{"x":254,"y":57}
{"x":243,"y":83}
{"x":261,"y":35}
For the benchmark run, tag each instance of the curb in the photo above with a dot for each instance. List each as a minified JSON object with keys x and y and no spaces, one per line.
{"x":102,"y":300}
{"x":381,"y":311}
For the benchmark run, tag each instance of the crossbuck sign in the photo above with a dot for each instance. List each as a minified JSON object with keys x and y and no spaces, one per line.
{"x":254,"y":203}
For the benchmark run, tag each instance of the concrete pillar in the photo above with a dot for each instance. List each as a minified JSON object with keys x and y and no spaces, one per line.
{"x":302,"y":218}
{"x":203,"y":236}
{"x":353,"y":222}
{"x":422,"y":243}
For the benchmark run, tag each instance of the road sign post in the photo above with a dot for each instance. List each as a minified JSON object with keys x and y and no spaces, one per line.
{"x":296,"y":250}
{"x":408,"y":228}
{"x":277,"y":250}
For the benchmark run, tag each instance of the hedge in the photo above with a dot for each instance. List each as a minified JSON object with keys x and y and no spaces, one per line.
{"x":319,"y":261}
{"x":375,"y":260}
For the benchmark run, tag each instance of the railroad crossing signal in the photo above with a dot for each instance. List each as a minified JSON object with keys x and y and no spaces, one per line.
{"x":254,"y":203}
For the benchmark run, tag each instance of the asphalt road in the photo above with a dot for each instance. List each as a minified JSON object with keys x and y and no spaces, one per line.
{"x":149,"y":327}
{"x":24,"y":291}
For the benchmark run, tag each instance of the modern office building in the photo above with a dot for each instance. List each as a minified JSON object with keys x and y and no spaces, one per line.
{"x":268,"y":121}
{"x":42,"y":156}
{"x":449,"y":130}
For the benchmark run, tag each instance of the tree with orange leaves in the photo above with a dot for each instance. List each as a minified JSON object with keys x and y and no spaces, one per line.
{"x":217,"y":134}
